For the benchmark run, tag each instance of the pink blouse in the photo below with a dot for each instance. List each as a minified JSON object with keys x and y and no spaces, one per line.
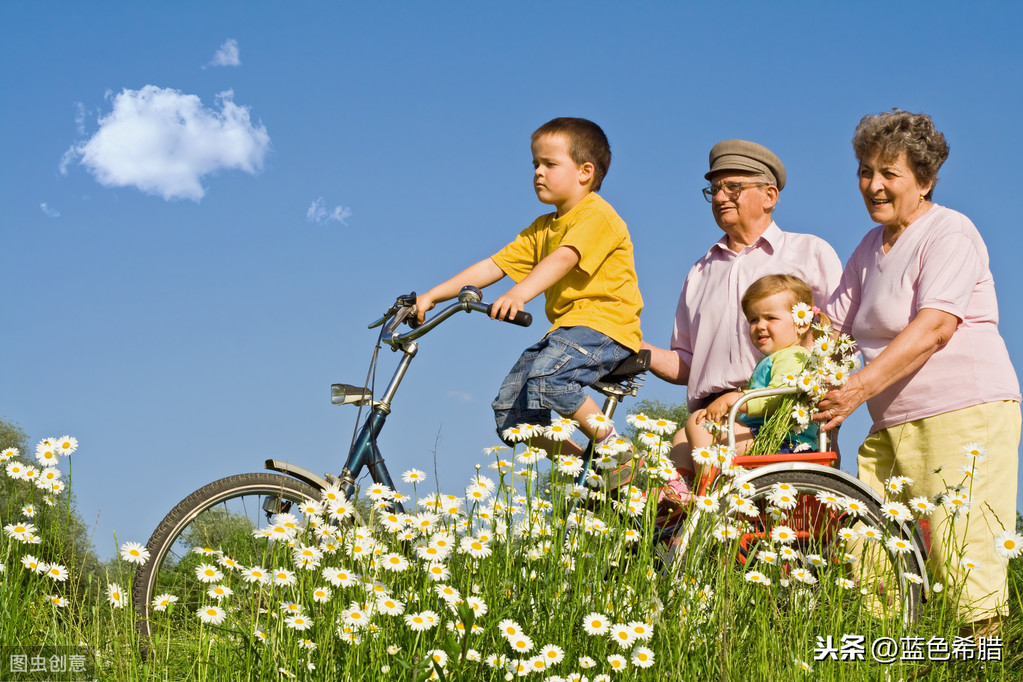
{"x":940,"y":262}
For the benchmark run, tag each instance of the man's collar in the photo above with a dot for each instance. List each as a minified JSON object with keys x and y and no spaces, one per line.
{"x":770,"y":238}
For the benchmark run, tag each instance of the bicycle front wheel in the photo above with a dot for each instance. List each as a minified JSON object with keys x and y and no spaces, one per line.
{"x":216,"y":525}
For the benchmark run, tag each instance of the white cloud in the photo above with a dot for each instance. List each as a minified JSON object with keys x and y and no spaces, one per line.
{"x":52,"y":213}
{"x":460,"y":396}
{"x":227,"y":55}
{"x":163,"y":142}
{"x":318,"y":213}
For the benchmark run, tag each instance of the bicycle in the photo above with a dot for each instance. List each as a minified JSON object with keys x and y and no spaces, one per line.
{"x":230,"y":508}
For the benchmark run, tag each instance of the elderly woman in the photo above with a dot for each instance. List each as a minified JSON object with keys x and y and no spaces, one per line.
{"x":918,"y":297}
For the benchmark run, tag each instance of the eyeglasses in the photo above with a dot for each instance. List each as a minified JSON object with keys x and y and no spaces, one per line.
{"x":732,"y":189}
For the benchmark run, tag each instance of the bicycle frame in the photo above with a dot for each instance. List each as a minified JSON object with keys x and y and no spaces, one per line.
{"x":365,"y":453}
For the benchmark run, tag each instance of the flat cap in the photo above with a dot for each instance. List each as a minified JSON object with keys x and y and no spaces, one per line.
{"x":742,"y":155}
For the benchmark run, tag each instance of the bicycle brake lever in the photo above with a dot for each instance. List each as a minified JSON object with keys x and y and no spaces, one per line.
{"x":403,"y":301}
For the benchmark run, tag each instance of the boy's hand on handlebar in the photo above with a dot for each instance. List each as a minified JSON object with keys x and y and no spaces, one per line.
{"x":423,"y":304}
{"x":506,"y":307}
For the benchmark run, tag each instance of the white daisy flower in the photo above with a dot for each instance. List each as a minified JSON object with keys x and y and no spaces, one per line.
{"x":282,"y":576}
{"x":783,"y":534}
{"x":642,"y":657}
{"x":378,"y":492}
{"x":617,"y":662}
{"x":414,"y":476}
{"x":758,"y":578}
{"x":162,"y":601}
{"x":208,"y":574}
{"x":220,"y":591}
{"x":1009,"y":544}
{"x":622,"y":635}
{"x":298,"y":622}
{"x":895,"y":484}
{"x":802,"y":314}
{"x":975,"y":452}
{"x":899,"y":545}
{"x":804,"y":576}
{"x":256,"y":574}
{"x":922,"y":506}
{"x":419,"y":622}
{"x":66,"y":445}
{"x":390,"y":606}
{"x":54,"y":572}
{"x":47,"y":456}
{"x":896,"y":511}
{"x":596,"y":623}
{"x":134,"y":553}
{"x":957,"y":501}
{"x":214,"y":615}
{"x":115,"y":596}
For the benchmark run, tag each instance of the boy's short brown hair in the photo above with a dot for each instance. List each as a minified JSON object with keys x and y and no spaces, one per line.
{"x":586,"y":143}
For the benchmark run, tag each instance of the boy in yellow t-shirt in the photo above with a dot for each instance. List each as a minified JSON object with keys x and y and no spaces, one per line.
{"x":580,"y":257}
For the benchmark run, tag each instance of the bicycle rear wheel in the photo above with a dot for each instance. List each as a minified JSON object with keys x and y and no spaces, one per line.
{"x":827,"y":550}
{"x":214,"y":525}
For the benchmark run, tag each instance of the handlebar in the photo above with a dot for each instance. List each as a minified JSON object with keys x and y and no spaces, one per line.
{"x":404,"y":310}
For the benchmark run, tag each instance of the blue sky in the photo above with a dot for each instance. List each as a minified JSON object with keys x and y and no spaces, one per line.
{"x":206,"y":203}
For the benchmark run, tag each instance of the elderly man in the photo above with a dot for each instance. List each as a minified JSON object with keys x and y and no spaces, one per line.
{"x":711,"y":352}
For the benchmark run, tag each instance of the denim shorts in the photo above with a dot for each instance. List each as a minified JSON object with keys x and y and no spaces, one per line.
{"x":553,"y":375}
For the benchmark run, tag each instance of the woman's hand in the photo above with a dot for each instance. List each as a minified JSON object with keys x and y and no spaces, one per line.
{"x":839,"y":403}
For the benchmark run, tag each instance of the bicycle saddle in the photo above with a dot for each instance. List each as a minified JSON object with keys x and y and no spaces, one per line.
{"x":637,"y":363}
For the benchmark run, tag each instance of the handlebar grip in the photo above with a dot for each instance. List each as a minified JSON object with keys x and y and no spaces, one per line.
{"x":521,"y":318}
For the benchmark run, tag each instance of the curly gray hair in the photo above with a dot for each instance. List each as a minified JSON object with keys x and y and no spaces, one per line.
{"x":891,"y":132}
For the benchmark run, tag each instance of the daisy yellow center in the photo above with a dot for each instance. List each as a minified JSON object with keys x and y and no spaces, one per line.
{"x":1010,"y":544}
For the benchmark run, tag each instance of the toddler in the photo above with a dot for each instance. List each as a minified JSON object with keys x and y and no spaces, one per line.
{"x":770,"y":305}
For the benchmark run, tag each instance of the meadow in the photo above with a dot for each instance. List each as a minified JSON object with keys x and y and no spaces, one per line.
{"x":520,"y":573}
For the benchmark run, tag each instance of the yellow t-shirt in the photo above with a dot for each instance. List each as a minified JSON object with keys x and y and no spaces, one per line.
{"x":601,"y":292}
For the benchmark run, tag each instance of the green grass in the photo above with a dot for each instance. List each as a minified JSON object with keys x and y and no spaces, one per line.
{"x":708,"y":621}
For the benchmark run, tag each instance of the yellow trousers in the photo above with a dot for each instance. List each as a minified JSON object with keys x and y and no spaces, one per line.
{"x":930,"y":452}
